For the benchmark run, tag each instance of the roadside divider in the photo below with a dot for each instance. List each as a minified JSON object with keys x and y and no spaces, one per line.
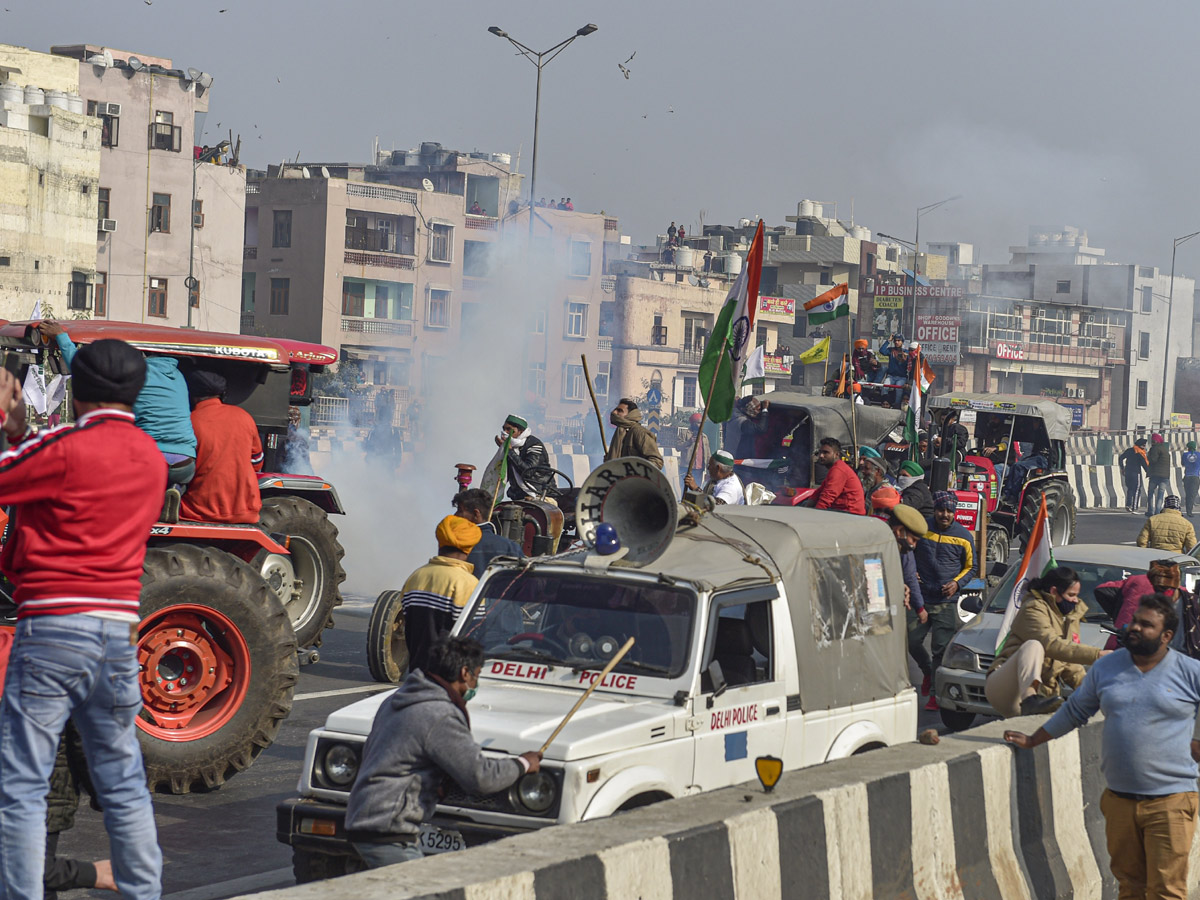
{"x":968,"y":818}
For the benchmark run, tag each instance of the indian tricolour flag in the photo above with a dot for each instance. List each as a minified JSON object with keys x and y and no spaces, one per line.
{"x":732,"y":337}
{"x":1039,"y":559}
{"x":833,"y":304}
{"x":912,"y":418}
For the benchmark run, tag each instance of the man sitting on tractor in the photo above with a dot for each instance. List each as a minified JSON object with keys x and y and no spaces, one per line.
{"x":229,"y":456}
{"x":526,"y":455}
{"x":840,"y":491}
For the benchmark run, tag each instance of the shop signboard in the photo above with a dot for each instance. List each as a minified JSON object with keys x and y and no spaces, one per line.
{"x":938,"y":336}
{"x":1008,"y":351}
{"x":777,"y":309}
{"x":1076,"y":414}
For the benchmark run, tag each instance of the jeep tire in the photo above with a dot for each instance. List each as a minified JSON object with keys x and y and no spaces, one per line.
{"x":387,"y":651}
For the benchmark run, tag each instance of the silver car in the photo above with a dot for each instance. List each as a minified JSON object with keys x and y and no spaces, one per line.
{"x":958,"y":683}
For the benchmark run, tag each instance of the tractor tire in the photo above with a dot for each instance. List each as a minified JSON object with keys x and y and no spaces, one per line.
{"x":312,"y":865}
{"x":1060,"y":512}
{"x":387,"y":652}
{"x":998,"y":546}
{"x":218,"y":667}
{"x":316,"y":559}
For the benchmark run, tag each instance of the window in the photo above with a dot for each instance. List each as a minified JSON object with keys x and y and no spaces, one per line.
{"x":382,"y":301}
{"x":1143,"y":394}
{"x":79,"y":294}
{"x":576,"y":320}
{"x":354,"y":298}
{"x":164,"y":134}
{"x":573,"y":387}
{"x":608,"y":320}
{"x":280,"y":291}
{"x":695,"y":332}
{"x":658,"y":333}
{"x":197,"y":213}
{"x":102,"y":203}
{"x":848,"y":598}
{"x":581,"y":259}
{"x":537,"y":379}
{"x":441,"y":246}
{"x":157,"y":303}
{"x":160,"y":213}
{"x":1147,"y":299}
{"x":1053,"y":326}
{"x":1143,"y":345}
{"x":741,"y":645}
{"x":1145,"y":271}
{"x":476,"y":259}
{"x":194,"y":296}
{"x":760,"y":335}
{"x":405,"y":302}
{"x":689,"y":392}
{"x":602,"y":372}
{"x":109,"y":123}
{"x":101,"y":294}
{"x":281,"y":228}
{"x":1062,"y":287}
{"x":539,"y":321}
{"x":438,"y":314}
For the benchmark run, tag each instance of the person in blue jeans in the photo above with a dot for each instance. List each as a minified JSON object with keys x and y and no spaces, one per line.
{"x":1191,"y":476}
{"x":85,"y":498}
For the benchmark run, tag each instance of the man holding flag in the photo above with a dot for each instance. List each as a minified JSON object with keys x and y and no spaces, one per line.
{"x":1038,"y":643}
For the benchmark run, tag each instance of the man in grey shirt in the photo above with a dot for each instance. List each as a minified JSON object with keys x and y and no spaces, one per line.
{"x":420,"y":737}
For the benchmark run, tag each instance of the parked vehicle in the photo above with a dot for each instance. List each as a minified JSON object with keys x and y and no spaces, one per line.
{"x":958,"y":682}
{"x":759,"y":630}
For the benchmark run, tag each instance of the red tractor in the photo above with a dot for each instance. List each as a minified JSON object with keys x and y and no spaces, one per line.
{"x":226,"y":609}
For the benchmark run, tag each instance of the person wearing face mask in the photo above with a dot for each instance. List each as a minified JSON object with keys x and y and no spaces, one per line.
{"x":1162,"y":578}
{"x":421,"y":737}
{"x":1148,"y":751}
{"x":528,"y":460}
{"x":631,"y":438}
{"x":1042,"y":648}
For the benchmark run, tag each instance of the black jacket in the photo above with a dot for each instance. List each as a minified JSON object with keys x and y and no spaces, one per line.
{"x":489,"y":547}
{"x":919,"y":497}
{"x":521,"y":463}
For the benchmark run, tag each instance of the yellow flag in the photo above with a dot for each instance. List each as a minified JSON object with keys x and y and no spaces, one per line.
{"x":818,"y":353}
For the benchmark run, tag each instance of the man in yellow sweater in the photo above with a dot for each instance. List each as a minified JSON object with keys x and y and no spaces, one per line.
{"x":436,"y":593}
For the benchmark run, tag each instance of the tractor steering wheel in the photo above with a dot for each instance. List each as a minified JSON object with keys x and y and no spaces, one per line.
{"x":536,"y":473}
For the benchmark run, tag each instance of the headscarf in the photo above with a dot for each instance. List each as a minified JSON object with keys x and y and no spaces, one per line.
{"x":1164,"y":575}
{"x":723,"y":458}
{"x":1172,"y":502}
{"x":945,"y":500}
{"x":457,"y":532}
{"x":203,"y":384}
{"x":1156,"y":438}
{"x":108,"y":371}
{"x":911,"y":467}
{"x":884,"y":498}
{"x":517,"y":421}
{"x":1191,"y":445}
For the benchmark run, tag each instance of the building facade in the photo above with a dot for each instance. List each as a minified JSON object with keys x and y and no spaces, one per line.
{"x":158,"y":206}
{"x":49,"y":181}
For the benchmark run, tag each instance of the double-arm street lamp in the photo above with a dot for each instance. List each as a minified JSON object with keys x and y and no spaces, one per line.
{"x":922,"y":210}
{"x":539,"y":60}
{"x":1162,"y":409}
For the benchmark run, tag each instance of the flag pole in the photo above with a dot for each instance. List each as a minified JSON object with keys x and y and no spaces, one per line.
{"x":850,"y":365}
{"x":595,"y":404}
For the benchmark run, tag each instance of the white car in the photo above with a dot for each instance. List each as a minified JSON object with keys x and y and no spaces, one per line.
{"x":763,"y":631}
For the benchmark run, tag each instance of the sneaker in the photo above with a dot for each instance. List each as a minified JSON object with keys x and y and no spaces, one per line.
{"x":932,"y":704}
{"x":1037,"y":705}
{"x":170,"y":510}
{"x":926,"y":685}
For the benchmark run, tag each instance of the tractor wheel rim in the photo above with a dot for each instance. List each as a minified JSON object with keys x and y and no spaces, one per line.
{"x":194,"y":671}
{"x":309,"y":570}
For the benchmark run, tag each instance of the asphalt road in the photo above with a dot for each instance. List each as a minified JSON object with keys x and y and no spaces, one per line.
{"x":222,"y":843}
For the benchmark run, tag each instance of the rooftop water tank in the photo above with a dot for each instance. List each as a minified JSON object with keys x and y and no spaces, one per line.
{"x":685,"y":256}
{"x":34,"y":96}
{"x":503,"y":159}
{"x":57,"y":99}
{"x":75,"y":103}
{"x":11,"y":93}
{"x":733,"y":264}
{"x":806,"y":208}
{"x":860,"y":232}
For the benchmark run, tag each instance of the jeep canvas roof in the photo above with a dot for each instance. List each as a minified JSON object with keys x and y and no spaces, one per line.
{"x":1056,"y":417}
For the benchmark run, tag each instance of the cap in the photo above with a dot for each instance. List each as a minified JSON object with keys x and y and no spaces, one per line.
{"x":516,"y":421}
{"x":910,"y":518}
{"x":723,"y":457}
{"x":911,"y":467}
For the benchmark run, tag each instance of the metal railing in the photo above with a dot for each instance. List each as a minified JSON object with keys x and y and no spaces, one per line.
{"x":381,"y":260}
{"x":329,"y":410}
{"x":357,"y":325}
{"x":691,"y":356}
{"x":487,"y":223}
{"x":374,"y":239}
{"x":604,"y":343}
{"x":380,"y":192}
{"x":249,"y":253}
{"x":252,"y":188}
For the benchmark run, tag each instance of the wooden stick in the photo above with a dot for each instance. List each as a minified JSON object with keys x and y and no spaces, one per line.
{"x":850,"y":376}
{"x":595,"y":405}
{"x":595,"y":684}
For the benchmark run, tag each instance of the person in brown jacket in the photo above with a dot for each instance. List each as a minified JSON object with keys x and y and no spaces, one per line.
{"x":632,"y":438}
{"x":1168,"y":530}
{"x":1042,"y":648}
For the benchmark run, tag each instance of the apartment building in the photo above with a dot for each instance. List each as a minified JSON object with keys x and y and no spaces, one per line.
{"x":161,"y":210}
{"x":49,"y":179}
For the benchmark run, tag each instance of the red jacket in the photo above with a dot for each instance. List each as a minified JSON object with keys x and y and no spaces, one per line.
{"x":228,"y":457}
{"x":841,"y":490}
{"x":85,"y":496}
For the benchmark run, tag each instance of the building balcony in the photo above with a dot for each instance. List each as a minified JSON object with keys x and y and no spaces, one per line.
{"x":247,"y":322}
{"x":379,"y":260}
{"x":610,"y":224}
{"x":485,"y":223}
{"x":252,"y":188}
{"x":249,"y":253}
{"x":604,"y":343}
{"x":380,"y":192}
{"x":387,"y":327}
{"x":691,"y":356}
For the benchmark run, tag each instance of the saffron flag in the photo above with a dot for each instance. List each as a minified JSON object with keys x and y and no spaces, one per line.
{"x":756,"y":364}
{"x":730,"y":341}
{"x":926,"y":374}
{"x":1039,"y":559}
{"x":833,"y":304}
{"x":819,"y":352}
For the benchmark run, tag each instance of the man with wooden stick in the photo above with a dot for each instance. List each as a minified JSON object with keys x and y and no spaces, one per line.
{"x":421,"y":737}
{"x":631,"y":438}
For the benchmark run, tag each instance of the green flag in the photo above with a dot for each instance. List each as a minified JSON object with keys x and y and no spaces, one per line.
{"x":732,"y":337}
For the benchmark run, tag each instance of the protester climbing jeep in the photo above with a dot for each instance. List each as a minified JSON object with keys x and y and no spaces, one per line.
{"x":758,"y":631}
{"x":1002,"y":424}
{"x":225,"y":608}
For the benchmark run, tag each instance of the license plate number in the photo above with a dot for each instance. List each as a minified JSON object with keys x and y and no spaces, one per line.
{"x":440,"y":840}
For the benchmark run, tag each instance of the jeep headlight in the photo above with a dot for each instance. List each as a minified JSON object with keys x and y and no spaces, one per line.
{"x":535,"y":791}
{"x":958,"y":656}
{"x":340,"y":765}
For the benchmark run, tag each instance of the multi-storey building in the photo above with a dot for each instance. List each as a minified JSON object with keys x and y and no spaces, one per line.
{"x":160,"y":212}
{"x":49,"y":176}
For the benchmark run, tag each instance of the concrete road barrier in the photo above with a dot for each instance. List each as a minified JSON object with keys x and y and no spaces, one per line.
{"x":969,"y":818}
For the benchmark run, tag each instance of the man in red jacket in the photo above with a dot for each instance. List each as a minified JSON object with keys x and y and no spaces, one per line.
{"x":229,"y":456}
{"x":85,"y":497}
{"x":841,"y":490}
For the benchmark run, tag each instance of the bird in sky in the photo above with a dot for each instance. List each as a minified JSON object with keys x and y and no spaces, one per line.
{"x":222,"y":10}
{"x":148,"y":2}
{"x":622,"y":66}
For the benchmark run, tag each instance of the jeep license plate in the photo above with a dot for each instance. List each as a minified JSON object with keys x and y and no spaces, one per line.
{"x":440,"y":840}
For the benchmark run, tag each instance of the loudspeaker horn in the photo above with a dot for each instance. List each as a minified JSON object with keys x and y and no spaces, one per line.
{"x":634,"y":497}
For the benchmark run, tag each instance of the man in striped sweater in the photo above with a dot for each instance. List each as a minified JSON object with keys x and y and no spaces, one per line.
{"x":436,"y":593}
{"x":85,"y":498}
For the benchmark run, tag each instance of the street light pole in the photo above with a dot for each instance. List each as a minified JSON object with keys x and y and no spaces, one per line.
{"x":539,"y":60}
{"x":921,"y":210}
{"x":1162,"y":409}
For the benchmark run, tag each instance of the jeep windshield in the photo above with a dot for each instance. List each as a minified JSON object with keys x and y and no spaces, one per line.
{"x":568,"y":619}
{"x":1091,"y":575}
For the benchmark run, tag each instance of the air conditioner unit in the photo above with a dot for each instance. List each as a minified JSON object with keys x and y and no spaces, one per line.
{"x":108,"y":109}
{"x":106,"y":225}
{"x":1018,"y":309}
{"x":198,"y":220}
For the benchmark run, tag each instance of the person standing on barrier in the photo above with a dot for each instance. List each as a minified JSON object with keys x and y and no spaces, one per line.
{"x":1042,"y":648}
{"x":1149,"y":695}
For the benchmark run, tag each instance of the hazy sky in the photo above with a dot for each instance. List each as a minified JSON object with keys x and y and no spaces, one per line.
{"x":1038,"y":112}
